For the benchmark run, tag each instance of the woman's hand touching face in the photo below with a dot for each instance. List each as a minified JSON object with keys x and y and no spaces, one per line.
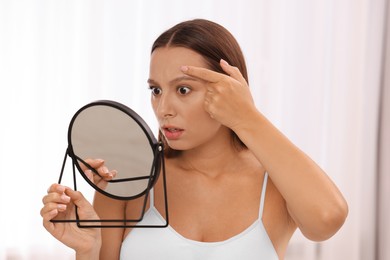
{"x":178,"y":99}
{"x":228,"y":98}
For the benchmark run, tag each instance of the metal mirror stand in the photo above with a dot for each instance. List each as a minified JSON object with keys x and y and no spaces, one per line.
{"x":157,"y":165}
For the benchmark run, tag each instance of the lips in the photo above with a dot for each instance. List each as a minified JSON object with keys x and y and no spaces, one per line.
{"x":171,"y":132}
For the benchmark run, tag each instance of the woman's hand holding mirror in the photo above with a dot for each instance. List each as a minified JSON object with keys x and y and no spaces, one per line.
{"x":59,"y":203}
{"x":121,"y":161}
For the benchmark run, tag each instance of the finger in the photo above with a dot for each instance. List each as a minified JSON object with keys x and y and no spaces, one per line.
{"x":94,"y":163}
{"x":113,"y":173}
{"x":232,"y":71}
{"x":106,"y":174}
{"x":89,"y":175}
{"x":49,"y":215}
{"x":102,"y":182}
{"x":208,"y":107}
{"x":49,"y":226}
{"x":103,"y":171}
{"x":97,"y":172}
{"x":77,"y":198}
{"x":56,"y":188}
{"x":86,"y":210}
{"x":202,"y":73}
{"x":50,"y":210}
{"x":55,"y":197}
{"x":100,"y":179}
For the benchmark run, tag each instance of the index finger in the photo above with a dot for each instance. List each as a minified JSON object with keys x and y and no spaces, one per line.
{"x":94,"y":163}
{"x":202,"y":73}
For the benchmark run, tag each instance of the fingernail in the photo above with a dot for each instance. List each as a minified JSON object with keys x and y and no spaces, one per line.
{"x":112,"y":173}
{"x":224,"y":62}
{"x":65,"y":198}
{"x":105,"y":170}
{"x":61,"y":207}
{"x":184,"y":68}
{"x":60,"y":188}
{"x":100,"y":160}
{"x":54,"y":212}
{"x":89,"y":175}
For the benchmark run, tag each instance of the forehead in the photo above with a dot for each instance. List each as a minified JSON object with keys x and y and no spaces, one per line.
{"x":172,"y":58}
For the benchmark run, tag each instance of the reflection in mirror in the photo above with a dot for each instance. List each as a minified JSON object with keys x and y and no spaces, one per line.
{"x":112,"y":132}
{"x":104,"y":132}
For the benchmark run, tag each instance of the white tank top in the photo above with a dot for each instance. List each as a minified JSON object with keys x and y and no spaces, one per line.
{"x":167,"y":244}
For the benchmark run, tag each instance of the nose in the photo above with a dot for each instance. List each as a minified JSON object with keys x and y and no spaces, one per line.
{"x":165,"y":107}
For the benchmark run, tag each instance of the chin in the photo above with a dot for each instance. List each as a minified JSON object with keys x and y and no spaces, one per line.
{"x":179,"y":146}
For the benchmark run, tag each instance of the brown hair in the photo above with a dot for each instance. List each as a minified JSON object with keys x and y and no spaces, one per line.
{"x":213,"y":42}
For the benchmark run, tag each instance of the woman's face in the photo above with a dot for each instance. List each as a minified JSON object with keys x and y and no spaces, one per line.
{"x":178,"y":100}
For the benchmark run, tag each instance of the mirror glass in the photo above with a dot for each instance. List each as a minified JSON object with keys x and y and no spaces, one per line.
{"x":116,"y":134}
{"x":111,"y":131}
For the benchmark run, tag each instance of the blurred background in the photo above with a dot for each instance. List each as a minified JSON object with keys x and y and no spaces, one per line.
{"x":318,"y":69}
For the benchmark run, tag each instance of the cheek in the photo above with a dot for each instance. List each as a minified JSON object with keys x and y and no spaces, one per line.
{"x":203,"y":130}
{"x":197,"y":114}
{"x":202,"y":124}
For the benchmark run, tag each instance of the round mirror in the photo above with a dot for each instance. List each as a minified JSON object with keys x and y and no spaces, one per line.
{"x":113,"y":132}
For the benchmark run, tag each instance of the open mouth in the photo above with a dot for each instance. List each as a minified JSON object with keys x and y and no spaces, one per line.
{"x":172,"y":129}
{"x":172,"y":133}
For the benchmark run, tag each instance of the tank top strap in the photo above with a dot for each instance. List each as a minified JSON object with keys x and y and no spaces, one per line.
{"x":262,"y":198}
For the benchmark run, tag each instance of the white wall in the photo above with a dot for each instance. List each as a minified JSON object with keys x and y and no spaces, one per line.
{"x":383,"y":227}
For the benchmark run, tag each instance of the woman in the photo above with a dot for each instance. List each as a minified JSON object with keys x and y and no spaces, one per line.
{"x":237,"y":187}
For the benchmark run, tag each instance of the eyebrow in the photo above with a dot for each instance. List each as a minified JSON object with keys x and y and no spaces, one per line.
{"x":175,"y":80}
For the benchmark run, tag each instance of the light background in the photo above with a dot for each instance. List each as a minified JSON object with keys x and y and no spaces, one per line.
{"x":315,"y":67}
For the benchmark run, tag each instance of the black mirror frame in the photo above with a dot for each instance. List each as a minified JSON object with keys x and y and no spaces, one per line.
{"x":157,"y":166}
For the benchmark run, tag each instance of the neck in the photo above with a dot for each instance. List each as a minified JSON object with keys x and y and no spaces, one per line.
{"x":211,"y":160}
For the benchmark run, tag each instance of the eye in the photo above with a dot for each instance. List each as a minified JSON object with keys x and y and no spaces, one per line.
{"x":183,"y":90}
{"x":155,"y":90}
